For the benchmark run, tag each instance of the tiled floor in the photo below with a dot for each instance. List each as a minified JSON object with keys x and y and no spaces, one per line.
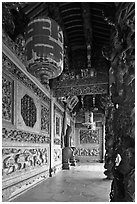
{"x":83,"y":183}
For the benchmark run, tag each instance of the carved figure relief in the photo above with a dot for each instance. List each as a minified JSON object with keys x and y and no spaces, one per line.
{"x":15,"y":159}
{"x":89,"y":136}
{"x":7,"y":99}
{"x":45,"y":118}
{"x":28,"y":110}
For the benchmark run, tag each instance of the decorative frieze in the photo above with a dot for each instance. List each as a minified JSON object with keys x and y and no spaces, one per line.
{"x":13,"y":69}
{"x":89,"y":136}
{"x":81,"y":90}
{"x":18,"y":159}
{"x":45,"y":118}
{"x":22,"y":136}
{"x":88,"y":152}
{"x":7,"y":99}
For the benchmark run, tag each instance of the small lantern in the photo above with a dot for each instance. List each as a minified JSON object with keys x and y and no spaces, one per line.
{"x":44,"y":49}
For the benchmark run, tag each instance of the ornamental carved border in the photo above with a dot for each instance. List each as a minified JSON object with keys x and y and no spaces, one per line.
{"x":16,"y":72}
{"x":81,"y":90}
{"x":7,"y":98}
{"x":45,"y":118}
{"x":22,"y":136}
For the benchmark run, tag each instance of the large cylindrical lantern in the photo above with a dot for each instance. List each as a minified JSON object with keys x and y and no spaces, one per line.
{"x":44,"y":49}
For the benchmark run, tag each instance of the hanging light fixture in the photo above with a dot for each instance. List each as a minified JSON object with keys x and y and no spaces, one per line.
{"x":89,"y":123}
{"x":44,"y":49}
{"x":90,"y":68}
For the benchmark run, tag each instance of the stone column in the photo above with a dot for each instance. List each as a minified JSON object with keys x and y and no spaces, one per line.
{"x":51,"y":152}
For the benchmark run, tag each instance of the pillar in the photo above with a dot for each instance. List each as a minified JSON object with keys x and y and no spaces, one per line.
{"x":51,"y":162}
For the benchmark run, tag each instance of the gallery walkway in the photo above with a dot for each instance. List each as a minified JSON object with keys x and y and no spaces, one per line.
{"x":83,"y":183}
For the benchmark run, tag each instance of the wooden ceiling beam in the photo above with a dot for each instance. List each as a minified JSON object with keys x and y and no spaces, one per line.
{"x":102,"y":33}
{"x":28,"y":8}
{"x":36,"y":11}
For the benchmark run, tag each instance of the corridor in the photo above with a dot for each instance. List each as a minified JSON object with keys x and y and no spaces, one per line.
{"x":83,"y":183}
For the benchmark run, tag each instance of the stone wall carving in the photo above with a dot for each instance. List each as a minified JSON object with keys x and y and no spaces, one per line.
{"x":18,"y":159}
{"x":45,"y":118}
{"x":57,"y":155}
{"x":57,"y":141}
{"x":13,"y":69}
{"x":28,"y":110}
{"x":87,"y":152}
{"x":22,"y":136}
{"x":14,"y":47}
{"x":89,"y":136}
{"x":7,"y":99}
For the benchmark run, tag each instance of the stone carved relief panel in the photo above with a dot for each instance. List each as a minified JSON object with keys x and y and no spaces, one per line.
{"x":13,"y":69}
{"x":20,"y":159}
{"x":45,"y":118}
{"x":7,"y":99}
{"x":23,"y":136}
{"x":28,"y":110}
{"x":89,"y":136}
{"x":57,"y":155}
{"x":88,"y":152}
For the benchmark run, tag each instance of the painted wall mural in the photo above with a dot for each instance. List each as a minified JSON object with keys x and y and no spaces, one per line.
{"x":15,"y":159}
{"x":88,"y":152}
{"x":45,"y":117}
{"x":22,"y":136}
{"x":28,"y":110}
{"x":7,"y":99}
{"x":89,"y":136}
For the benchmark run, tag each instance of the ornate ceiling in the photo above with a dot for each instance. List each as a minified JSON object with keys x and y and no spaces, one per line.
{"x":86,"y":31}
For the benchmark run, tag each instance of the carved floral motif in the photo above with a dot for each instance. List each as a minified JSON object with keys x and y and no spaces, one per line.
{"x":22,"y":136}
{"x":45,"y":117}
{"x":7,"y":99}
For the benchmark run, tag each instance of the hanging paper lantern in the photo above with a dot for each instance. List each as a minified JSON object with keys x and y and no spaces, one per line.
{"x":44,"y":49}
